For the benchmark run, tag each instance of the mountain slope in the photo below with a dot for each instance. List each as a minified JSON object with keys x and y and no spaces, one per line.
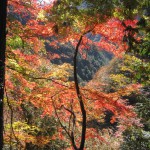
{"x":88,"y":62}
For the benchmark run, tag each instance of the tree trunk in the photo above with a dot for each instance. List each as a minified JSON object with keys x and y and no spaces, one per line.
{"x":3,"y":14}
{"x":80,"y":97}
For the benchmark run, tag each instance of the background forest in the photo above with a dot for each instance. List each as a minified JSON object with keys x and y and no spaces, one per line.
{"x":77,"y":75}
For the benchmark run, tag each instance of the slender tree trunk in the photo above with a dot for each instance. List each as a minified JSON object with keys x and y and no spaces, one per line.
{"x":80,"y":97}
{"x":3,"y":14}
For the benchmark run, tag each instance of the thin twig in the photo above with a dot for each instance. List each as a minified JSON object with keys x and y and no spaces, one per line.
{"x":37,"y":78}
{"x":11,"y":121}
{"x":59,"y":119}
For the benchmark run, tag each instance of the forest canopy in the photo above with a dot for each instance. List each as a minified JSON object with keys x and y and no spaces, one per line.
{"x":77,"y":75}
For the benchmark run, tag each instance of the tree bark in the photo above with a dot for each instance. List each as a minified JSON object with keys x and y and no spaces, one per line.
{"x":3,"y":14}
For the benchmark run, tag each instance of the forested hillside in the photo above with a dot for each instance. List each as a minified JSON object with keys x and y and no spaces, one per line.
{"x":88,"y":62}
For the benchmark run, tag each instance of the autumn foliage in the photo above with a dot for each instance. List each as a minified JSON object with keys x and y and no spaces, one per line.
{"x":31,"y":79}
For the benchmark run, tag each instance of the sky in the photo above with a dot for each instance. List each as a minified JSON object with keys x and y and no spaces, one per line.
{"x":46,"y":1}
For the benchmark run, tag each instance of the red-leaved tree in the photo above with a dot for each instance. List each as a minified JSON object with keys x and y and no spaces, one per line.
{"x":73,"y":22}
